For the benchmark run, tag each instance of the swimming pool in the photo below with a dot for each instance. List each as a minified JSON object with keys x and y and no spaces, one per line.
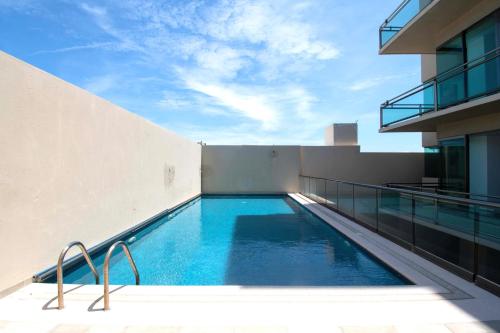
{"x":243,"y":240}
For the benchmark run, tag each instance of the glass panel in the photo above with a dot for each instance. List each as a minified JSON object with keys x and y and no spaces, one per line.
{"x":365,"y":205}
{"x":451,"y":87}
{"x":432,"y":163}
{"x":398,"y":20}
{"x":453,"y":161}
{"x":458,"y":218}
{"x":331,"y":194}
{"x":450,"y":55}
{"x":386,"y":34}
{"x":395,"y":215}
{"x":481,"y":39}
{"x":446,"y":230}
{"x":415,"y":103}
{"x":320,"y":188}
{"x":345,"y":198}
{"x":425,"y":209}
{"x":489,"y":240}
{"x":312,"y":188}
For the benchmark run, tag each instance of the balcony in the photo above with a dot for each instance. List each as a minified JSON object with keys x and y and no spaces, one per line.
{"x":414,"y":27}
{"x":405,"y":12}
{"x":452,"y":95}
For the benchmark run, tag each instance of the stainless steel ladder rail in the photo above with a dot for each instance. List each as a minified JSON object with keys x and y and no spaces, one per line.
{"x":106,"y":269}
{"x":60,"y":292}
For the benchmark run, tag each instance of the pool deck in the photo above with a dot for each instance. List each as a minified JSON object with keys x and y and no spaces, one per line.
{"x":438,"y":302}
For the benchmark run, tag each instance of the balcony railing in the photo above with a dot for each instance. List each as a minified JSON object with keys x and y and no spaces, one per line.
{"x":462,"y":235}
{"x":444,"y":189}
{"x":477,"y":78}
{"x":405,"y":12}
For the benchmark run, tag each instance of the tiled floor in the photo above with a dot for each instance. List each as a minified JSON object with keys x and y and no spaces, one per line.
{"x":439,"y":302}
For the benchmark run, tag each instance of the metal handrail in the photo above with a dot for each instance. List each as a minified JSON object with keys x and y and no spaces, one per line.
{"x":416,"y":193}
{"x":106,"y":269}
{"x":443,"y":76}
{"x":60,"y":293}
{"x":436,"y":187}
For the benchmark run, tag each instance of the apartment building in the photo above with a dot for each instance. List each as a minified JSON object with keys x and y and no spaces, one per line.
{"x":457,"y":106}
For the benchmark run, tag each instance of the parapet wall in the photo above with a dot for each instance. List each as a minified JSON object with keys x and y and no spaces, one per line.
{"x":76,"y":167}
{"x":256,"y":169}
{"x":349,"y":164}
{"x":250,"y":169}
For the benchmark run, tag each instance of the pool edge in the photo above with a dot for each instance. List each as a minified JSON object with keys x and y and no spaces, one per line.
{"x":50,"y":272}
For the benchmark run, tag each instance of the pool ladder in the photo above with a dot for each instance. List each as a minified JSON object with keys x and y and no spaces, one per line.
{"x":90,"y":263}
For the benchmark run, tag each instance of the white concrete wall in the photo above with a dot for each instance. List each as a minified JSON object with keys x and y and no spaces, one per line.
{"x":429,"y":139}
{"x":250,"y":169}
{"x":76,"y":167}
{"x":428,"y":63}
{"x":348,"y":163}
{"x":341,"y":134}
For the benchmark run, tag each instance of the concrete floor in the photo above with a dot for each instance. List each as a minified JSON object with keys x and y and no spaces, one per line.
{"x":439,"y":302}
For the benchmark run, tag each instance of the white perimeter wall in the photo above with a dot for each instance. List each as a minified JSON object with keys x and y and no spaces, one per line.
{"x":348,"y":163}
{"x":250,"y":169}
{"x":255,"y":169}
{"x":76,"y":167}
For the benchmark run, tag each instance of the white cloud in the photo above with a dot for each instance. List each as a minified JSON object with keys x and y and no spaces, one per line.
{"x":372,"y":82}
{"x":223,"y":37}
{"x":258,"y":22}
{"x":76,"y":48}
{"x":101,"y":84}
{"x":366,"y":84}
{"x":94,"y":10}
{"x":101,"y":17}
{"x":221,"y":61}
{"x":221,"y":52}
{"x":252,"y":106}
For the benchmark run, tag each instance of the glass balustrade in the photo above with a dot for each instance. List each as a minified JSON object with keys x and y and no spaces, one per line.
{"x":463,"y":233}
{"x":400,"y":18}
{"x":477,"y":78}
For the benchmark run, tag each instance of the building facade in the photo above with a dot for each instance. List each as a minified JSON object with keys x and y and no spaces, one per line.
{"x":457,"y":106}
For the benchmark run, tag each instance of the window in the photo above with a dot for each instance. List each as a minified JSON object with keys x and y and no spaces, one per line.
{"x":453,"y":164}
{"x":480,"y":40}
{"x":452,"y":89}
{"x":481,"y":75}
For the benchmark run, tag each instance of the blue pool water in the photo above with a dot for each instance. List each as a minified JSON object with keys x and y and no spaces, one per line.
{"x":243,"y":240}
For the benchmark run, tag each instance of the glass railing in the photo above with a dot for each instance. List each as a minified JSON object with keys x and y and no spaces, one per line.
{"x":462,"y":235}
{"x":474,"y":79}
{"x":444,"y":189}
{"x":399,"y":18}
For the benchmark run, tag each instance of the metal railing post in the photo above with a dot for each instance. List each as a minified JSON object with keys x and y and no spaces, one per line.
{"x":338,"y":201}
{"x":326,"y":201}
{"x":436,"y":104}
{"x":377,"y":212}
{"x":413,"y":236}
{"x":476,"y":243}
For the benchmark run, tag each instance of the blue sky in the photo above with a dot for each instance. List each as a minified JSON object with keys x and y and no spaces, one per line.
{"x":225,"y":72}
